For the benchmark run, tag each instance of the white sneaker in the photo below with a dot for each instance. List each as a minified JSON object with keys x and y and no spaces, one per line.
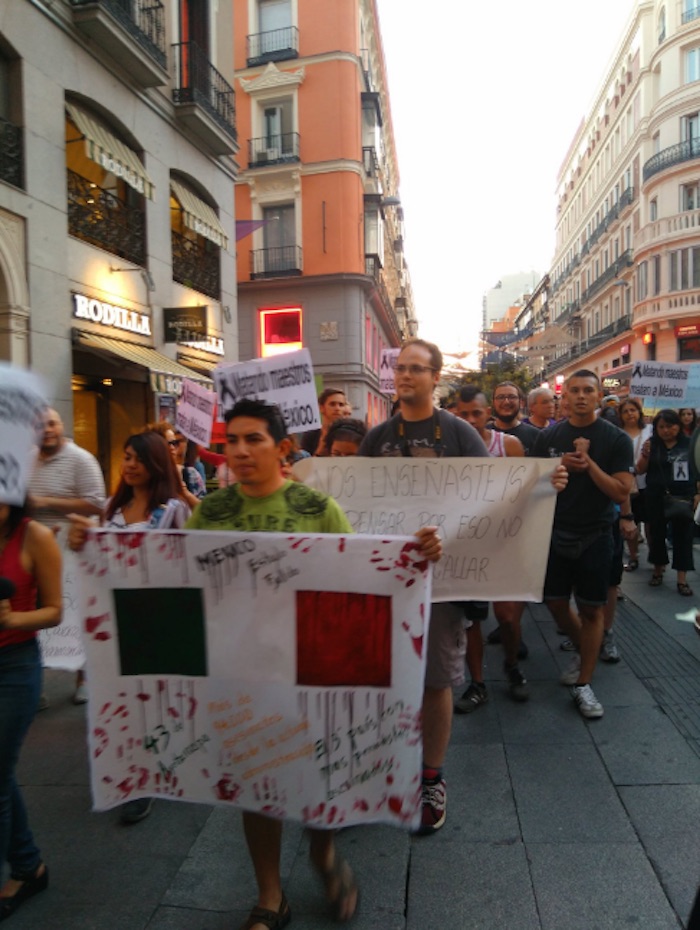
{"x":608,"y":648}
{"x":570,"y":674}
{"x":81,"y":694}
{"x":588,"y":704}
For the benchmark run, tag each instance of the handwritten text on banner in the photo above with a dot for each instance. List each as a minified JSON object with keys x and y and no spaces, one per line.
{"x":280,"y":674}
{"x":494,"y":515}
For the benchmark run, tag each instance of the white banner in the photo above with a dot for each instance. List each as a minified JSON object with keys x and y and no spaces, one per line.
{"x":494,"y":515}
{"x":195,"y":412}
{"x":277,"y":673}
{"x":659,"y":384}
{"x":386,"y":370}
{"x":22,"y":402}
{"x":62,"y":646}
{"x":286,"y":380}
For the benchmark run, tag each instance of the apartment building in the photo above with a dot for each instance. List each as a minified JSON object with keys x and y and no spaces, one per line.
{"x":323,"y":266}
{"x":117,"y":268}
{"x":625,"y":281}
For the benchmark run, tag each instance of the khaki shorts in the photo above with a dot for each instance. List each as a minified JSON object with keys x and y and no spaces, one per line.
{"x":447,"y":646}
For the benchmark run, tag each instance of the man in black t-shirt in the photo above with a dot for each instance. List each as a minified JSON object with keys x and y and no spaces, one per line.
{"x":598,"y":457}
{"x":506,"y":406}
{"x":421,"y":430}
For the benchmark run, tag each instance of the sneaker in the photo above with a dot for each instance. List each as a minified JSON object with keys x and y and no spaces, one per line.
{"x":134,"y":811}
{"x":588,"y":704}
{"x":434,"y":807}
{"x":608,"y":649}
{"x":81,"y":694}
{"x":570,"y":674}
{"x":567,"y":646}
{"x":494,"y":637}
{"x":473,"y":697}
{"x":517,"y":684}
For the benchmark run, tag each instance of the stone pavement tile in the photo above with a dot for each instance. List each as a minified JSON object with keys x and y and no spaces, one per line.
{"x":184,"y":918}
{"x":479,"y":887}
{"x":218,"y":870}
{"x":618,"y":686}
{"x":666,"y":818}
{"x":482,"y":726}
{"x":567,"y":799}
{"x":641,"y":746}
{"x":55,"y":746}
{"x":480,"y":806}
{"x":597,"y":887}
{"x":546,"y":717}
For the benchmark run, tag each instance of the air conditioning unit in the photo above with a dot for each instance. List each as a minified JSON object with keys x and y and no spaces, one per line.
{"x":272,"y":154}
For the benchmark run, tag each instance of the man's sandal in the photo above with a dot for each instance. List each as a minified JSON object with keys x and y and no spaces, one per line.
{"x":273,"y":920}
{"x":656,"y":581}
{"x":340,"y":886}
{"x":684,"y":589}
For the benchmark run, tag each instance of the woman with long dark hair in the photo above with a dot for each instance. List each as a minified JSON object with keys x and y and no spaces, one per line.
{"x":30,"y":559}
{"x":689,"y":420}
{"x":146,"y":498}
{"x":671,"y":497}
{"x":631,"y":418}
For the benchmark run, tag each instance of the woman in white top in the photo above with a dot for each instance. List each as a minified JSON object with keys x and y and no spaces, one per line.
{"x":631,"y":419}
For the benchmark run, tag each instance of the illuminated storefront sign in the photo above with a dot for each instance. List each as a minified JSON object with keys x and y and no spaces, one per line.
{"x":95,"y":311}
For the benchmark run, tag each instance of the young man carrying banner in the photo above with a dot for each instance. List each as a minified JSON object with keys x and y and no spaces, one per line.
{"x":262,"y":499}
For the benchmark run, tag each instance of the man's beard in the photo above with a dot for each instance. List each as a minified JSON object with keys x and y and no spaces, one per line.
{"x":508,"y":417}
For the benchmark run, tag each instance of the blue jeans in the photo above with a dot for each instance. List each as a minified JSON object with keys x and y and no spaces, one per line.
{"x":20,"y":688}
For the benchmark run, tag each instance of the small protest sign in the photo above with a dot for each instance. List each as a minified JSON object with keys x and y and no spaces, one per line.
{"x":62,"y":646}
{"x":659,"y":384}
{"x":386,"y":370}
{"x":22,"y":402}
{"x":195,"y":412}
{"x":278,"y":673}
{"x":286,"y":380}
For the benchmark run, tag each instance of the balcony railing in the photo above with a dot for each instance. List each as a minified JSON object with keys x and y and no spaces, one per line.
{"x":273,"y":150}
{"x":609,"y":274}
{"x":143,"y":20}
{"x":593,"y":342}
{"x":282,"y":261}
{"x":99,"y":217}
{"x":11,"y":153}
{"x":199,"y":82}
{"x":196,"y":264}
{"x":275,"y":45}
{"x":674,"y":155}
{"x":689,"y":15}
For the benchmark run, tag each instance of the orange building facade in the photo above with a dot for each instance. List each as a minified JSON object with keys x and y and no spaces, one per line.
{"x":321,"y":263}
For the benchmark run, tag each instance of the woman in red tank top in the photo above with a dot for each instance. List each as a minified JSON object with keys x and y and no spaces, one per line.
{"x":31,"y":560}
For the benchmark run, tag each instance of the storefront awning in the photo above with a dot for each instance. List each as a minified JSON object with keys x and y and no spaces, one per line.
{"x":166,"y":376}
{"x":103,"y":147}
{"x":199,"y":216}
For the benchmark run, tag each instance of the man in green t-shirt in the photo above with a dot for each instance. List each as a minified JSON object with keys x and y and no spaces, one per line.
{"x":262,"y":500}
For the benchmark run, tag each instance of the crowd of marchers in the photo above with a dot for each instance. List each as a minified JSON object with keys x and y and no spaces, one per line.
{"x":617,"y":478}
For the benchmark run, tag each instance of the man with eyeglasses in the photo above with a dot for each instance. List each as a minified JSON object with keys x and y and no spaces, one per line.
{"x":419,"y":429}
{"x":507,"y":399}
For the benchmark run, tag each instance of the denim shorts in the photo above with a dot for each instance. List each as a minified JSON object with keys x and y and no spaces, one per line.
{"x":587,"y":576}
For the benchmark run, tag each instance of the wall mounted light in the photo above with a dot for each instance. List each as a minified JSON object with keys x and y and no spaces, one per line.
{"x":145,"y":274}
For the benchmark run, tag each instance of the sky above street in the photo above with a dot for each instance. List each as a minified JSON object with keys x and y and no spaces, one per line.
{"x":486,"y":99}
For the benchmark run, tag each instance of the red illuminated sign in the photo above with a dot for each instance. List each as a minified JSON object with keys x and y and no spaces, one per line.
{"x":280,"y":331}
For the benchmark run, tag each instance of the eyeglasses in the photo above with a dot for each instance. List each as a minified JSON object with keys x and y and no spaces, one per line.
{"x":413,"y":369}
{"x":511,"y":398}
{"x":174,"y":443}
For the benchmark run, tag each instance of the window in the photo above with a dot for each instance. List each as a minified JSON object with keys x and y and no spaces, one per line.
{"x":684,"y":269}
{"x":692,"y":65}
{"x":277,"y":138}
{"x":662,"y":25}
{"x":653,"y":210}
{"x":280,"y":255}
{"x":696,"y":267}
{"x":691,"y":10}
{"x":673,"y":271}
{"x":689,"y":196}
{"x":280,"y":331}
{"x":274,"y":15}
{"x":656,"y":266}
{"x":642,"y":281}
{"x":656,"y":143}
{"x":197,"y":238}
{"x":374,"y":231}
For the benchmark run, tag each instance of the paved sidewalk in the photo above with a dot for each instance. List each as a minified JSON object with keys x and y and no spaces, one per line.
{"x":553,"y":822}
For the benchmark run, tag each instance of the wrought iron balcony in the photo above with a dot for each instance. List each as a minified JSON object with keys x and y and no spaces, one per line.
{"x":593,"y":342}
{"x":689,"y":15}
{"x":196,"y":264}
{"x":99,"y":217}
{"x":282,"y":261}
{"x":11,"y":153}
{"x":127,"y":29}
{"x":275,"y":45}
{"x":273,"y":150}
{"x":674,"y":155}
{"x":609,"y":274}
{"x":204,"y":98}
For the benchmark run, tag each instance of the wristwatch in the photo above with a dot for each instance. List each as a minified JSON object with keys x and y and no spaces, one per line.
{"x":627,"y":516}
